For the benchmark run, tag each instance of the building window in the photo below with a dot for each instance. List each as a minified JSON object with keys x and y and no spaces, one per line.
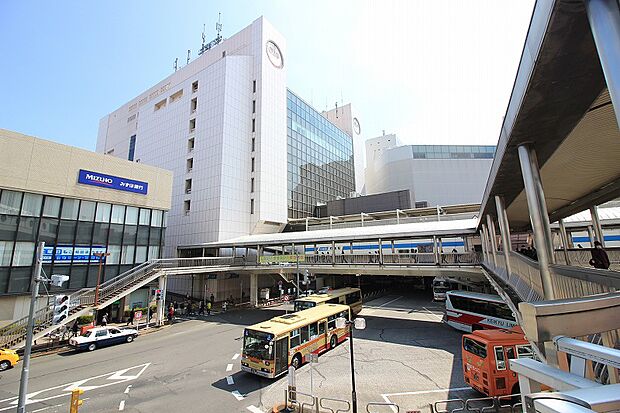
{"x":193,"y":105}
{"x":251,"y":206}
{"x":252,"y":185}
{"x":187,"y":206}
{"x":132,"y":147}
{"x":253,"y":164}
{"x":176,"y":96}
{"x":253,"y":125}
{"x":254,"y":86}
{"x":188,"y":186}
{"x":190,"y":164}
{"x":253,"y":144}
{"x":160,"y":105}
{"x":192,"y":125}
{"x":254,"y":106}
{"x":195,"y":87}
{"x":190,"y":144}
{"x":421,"y":204}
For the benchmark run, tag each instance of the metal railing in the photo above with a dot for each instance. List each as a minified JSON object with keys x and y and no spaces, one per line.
{"x":497,"y":404}
{"x":313,"y":404}
{"x":387,"y":258}
{"x":580,"y":257}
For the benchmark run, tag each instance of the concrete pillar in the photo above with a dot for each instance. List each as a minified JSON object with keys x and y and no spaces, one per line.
{"x":538,"y":212}
{"x":485,"y":243}
{"x":259,"y":252}
{"x":254,"y":289}
{"x":161,"y":304}
{"x":492,"y":239}
{"x":504,"y":229}
{"x":598,"y":229}
{"x":564,"y":238}
{"x":604,"y":17}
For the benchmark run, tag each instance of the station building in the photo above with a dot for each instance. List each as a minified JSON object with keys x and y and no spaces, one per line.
{"x":79,"y":203}
{"x":247,"y":153}
{"x":435,"y":175}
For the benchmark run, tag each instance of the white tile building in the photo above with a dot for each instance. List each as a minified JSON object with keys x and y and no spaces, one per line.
{"x":219,"y":124}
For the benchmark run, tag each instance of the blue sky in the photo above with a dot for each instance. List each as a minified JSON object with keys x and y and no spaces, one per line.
{"x":432,"y":71}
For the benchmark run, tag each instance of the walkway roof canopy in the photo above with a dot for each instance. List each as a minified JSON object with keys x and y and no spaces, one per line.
{"x":559,"y":106}
{"x":357,"y":234}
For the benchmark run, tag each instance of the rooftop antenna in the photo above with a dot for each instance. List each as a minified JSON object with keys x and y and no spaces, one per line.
{"x":206,"y":46}
{"x":176,"y":64}
{"x":189,"y":52}
{"x":336,"y":110}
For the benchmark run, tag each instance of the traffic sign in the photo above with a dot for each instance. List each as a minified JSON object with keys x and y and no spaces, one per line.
{"x":137,"y":315}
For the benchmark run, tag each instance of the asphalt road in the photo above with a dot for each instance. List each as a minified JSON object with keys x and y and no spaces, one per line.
{"x":182,"y":368}
{"x":405,"y":355}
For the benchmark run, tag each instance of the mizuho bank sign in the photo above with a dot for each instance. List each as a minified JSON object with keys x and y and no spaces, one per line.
{"x":112,"y":182}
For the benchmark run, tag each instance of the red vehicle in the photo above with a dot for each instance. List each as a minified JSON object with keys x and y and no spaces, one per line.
{"x":469,"y":311}
{"x":485,"y":360}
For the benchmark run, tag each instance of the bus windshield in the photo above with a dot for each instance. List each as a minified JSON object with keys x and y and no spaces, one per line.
{"x":303,"y":305}
{"x":474,"y":347}
{"x":258,"y":344}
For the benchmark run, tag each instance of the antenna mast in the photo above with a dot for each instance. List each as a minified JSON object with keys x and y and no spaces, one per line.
{"x":176,"y":64}
{"x":189,"y":52}
{"x":214,"y":42}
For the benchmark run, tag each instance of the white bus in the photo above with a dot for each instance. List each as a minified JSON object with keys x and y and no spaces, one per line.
{"x":468,"y":311}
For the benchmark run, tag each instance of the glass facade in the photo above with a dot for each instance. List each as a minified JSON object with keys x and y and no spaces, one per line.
{"x":320,"y":159}
{"x":73,"y":231}
{"x":453,"y":151}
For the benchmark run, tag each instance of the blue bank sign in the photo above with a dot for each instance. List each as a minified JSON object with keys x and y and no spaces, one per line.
{"x":68,"y":253}
{"x":112,"y":182}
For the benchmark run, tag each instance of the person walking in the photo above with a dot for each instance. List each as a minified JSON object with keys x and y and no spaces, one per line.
{"x":74,"y":328}
{"x":599,"y":257}
{"x":170,"y":314}
{"x":224,"y":305}
{"x":104,"y":320}
{"x":201,"y":310}
{"x":209,"y":305}
{"x":212,"y":299}
{"x":131,"y":317}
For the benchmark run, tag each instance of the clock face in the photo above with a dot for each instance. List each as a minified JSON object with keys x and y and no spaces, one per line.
{"x":274,"y":54}
{"x":356,"y":126}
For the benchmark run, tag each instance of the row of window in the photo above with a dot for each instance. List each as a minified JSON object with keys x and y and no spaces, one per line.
{"x":311,"y":331}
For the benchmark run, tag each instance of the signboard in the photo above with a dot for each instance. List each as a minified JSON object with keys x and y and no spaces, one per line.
{"x":137,"y":315}
{"x":276,"y":259}
{"x":65,"y":253}
{"x":113,"y":182}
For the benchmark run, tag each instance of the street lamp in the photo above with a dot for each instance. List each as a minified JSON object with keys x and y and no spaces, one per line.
{"x":359,"y":324}
{"x":101,"y":256}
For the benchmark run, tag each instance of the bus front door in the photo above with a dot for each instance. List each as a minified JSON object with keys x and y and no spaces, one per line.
{"x":281,"y":355}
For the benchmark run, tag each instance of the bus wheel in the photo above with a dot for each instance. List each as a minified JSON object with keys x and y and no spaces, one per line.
{"x":296,"y":362}
{"x":333,"y":342}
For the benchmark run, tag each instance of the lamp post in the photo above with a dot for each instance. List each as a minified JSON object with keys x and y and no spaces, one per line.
{"x":359,"y":324}
{"x":101,"y":256}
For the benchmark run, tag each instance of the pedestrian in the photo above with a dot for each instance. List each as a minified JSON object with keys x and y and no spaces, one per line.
{"x":212,"y":299}
{"x":201,"y":311}
{"x":104,"y":320}
{"x":224,"y":305}
{"x":599,"y":256}
{"x":74,"y":328}
{"x":170,"y":314}
{"x":131,"y":316}
{"x":455,"y":253}
{"x":209,"y":305}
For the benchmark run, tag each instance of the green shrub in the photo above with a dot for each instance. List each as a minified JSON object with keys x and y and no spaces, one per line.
{"x":85,"y":319}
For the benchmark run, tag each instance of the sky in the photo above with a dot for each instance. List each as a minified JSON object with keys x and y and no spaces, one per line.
{"x":431,"y":71}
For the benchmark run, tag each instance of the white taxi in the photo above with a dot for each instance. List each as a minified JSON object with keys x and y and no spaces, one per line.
{"x":101,"y":337}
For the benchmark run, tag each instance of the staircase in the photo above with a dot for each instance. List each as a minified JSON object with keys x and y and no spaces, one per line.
{"x":82,"y":302}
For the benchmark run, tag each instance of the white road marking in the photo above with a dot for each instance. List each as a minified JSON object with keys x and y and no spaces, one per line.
{"x":121,"y":405}
{"x":433,"y":314}
{"x":412,"y":393}
{"x":254,"y":409}
{"x":391,"y":301}
{"x":230,"y":380}
{"x":45,"y":408}
{"x":229,"y":367}
{"x":127,"y":389}
{"x":64,"y":388}
{"x":235,"y":356}
{"x":238,"y":395}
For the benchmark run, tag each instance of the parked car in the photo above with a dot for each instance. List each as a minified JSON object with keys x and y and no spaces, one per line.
{"x":8,"y":358}
{"x":101,"y":337}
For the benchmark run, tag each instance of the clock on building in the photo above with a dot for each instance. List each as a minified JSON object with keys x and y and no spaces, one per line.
{"x":356,"y":126}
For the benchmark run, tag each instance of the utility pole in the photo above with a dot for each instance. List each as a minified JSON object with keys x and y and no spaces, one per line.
{"x":34,"y":287}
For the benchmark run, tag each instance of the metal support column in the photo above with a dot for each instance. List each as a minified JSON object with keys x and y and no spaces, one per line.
{"x":485,"y":243}
{"x":504,"y":229}
{"x":591,"y":236}
{"x":564,"y":238}
{"x":604,"y":17}
{"x":540,"y":226}
{"x":435,"y":250}
{"x":380,"y":251}
{"x":492,"y":239}
{"x":333,"y":253}
{"x":598,"y":230}
{"x":254,"y":290}
{"x":161,"y":304}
